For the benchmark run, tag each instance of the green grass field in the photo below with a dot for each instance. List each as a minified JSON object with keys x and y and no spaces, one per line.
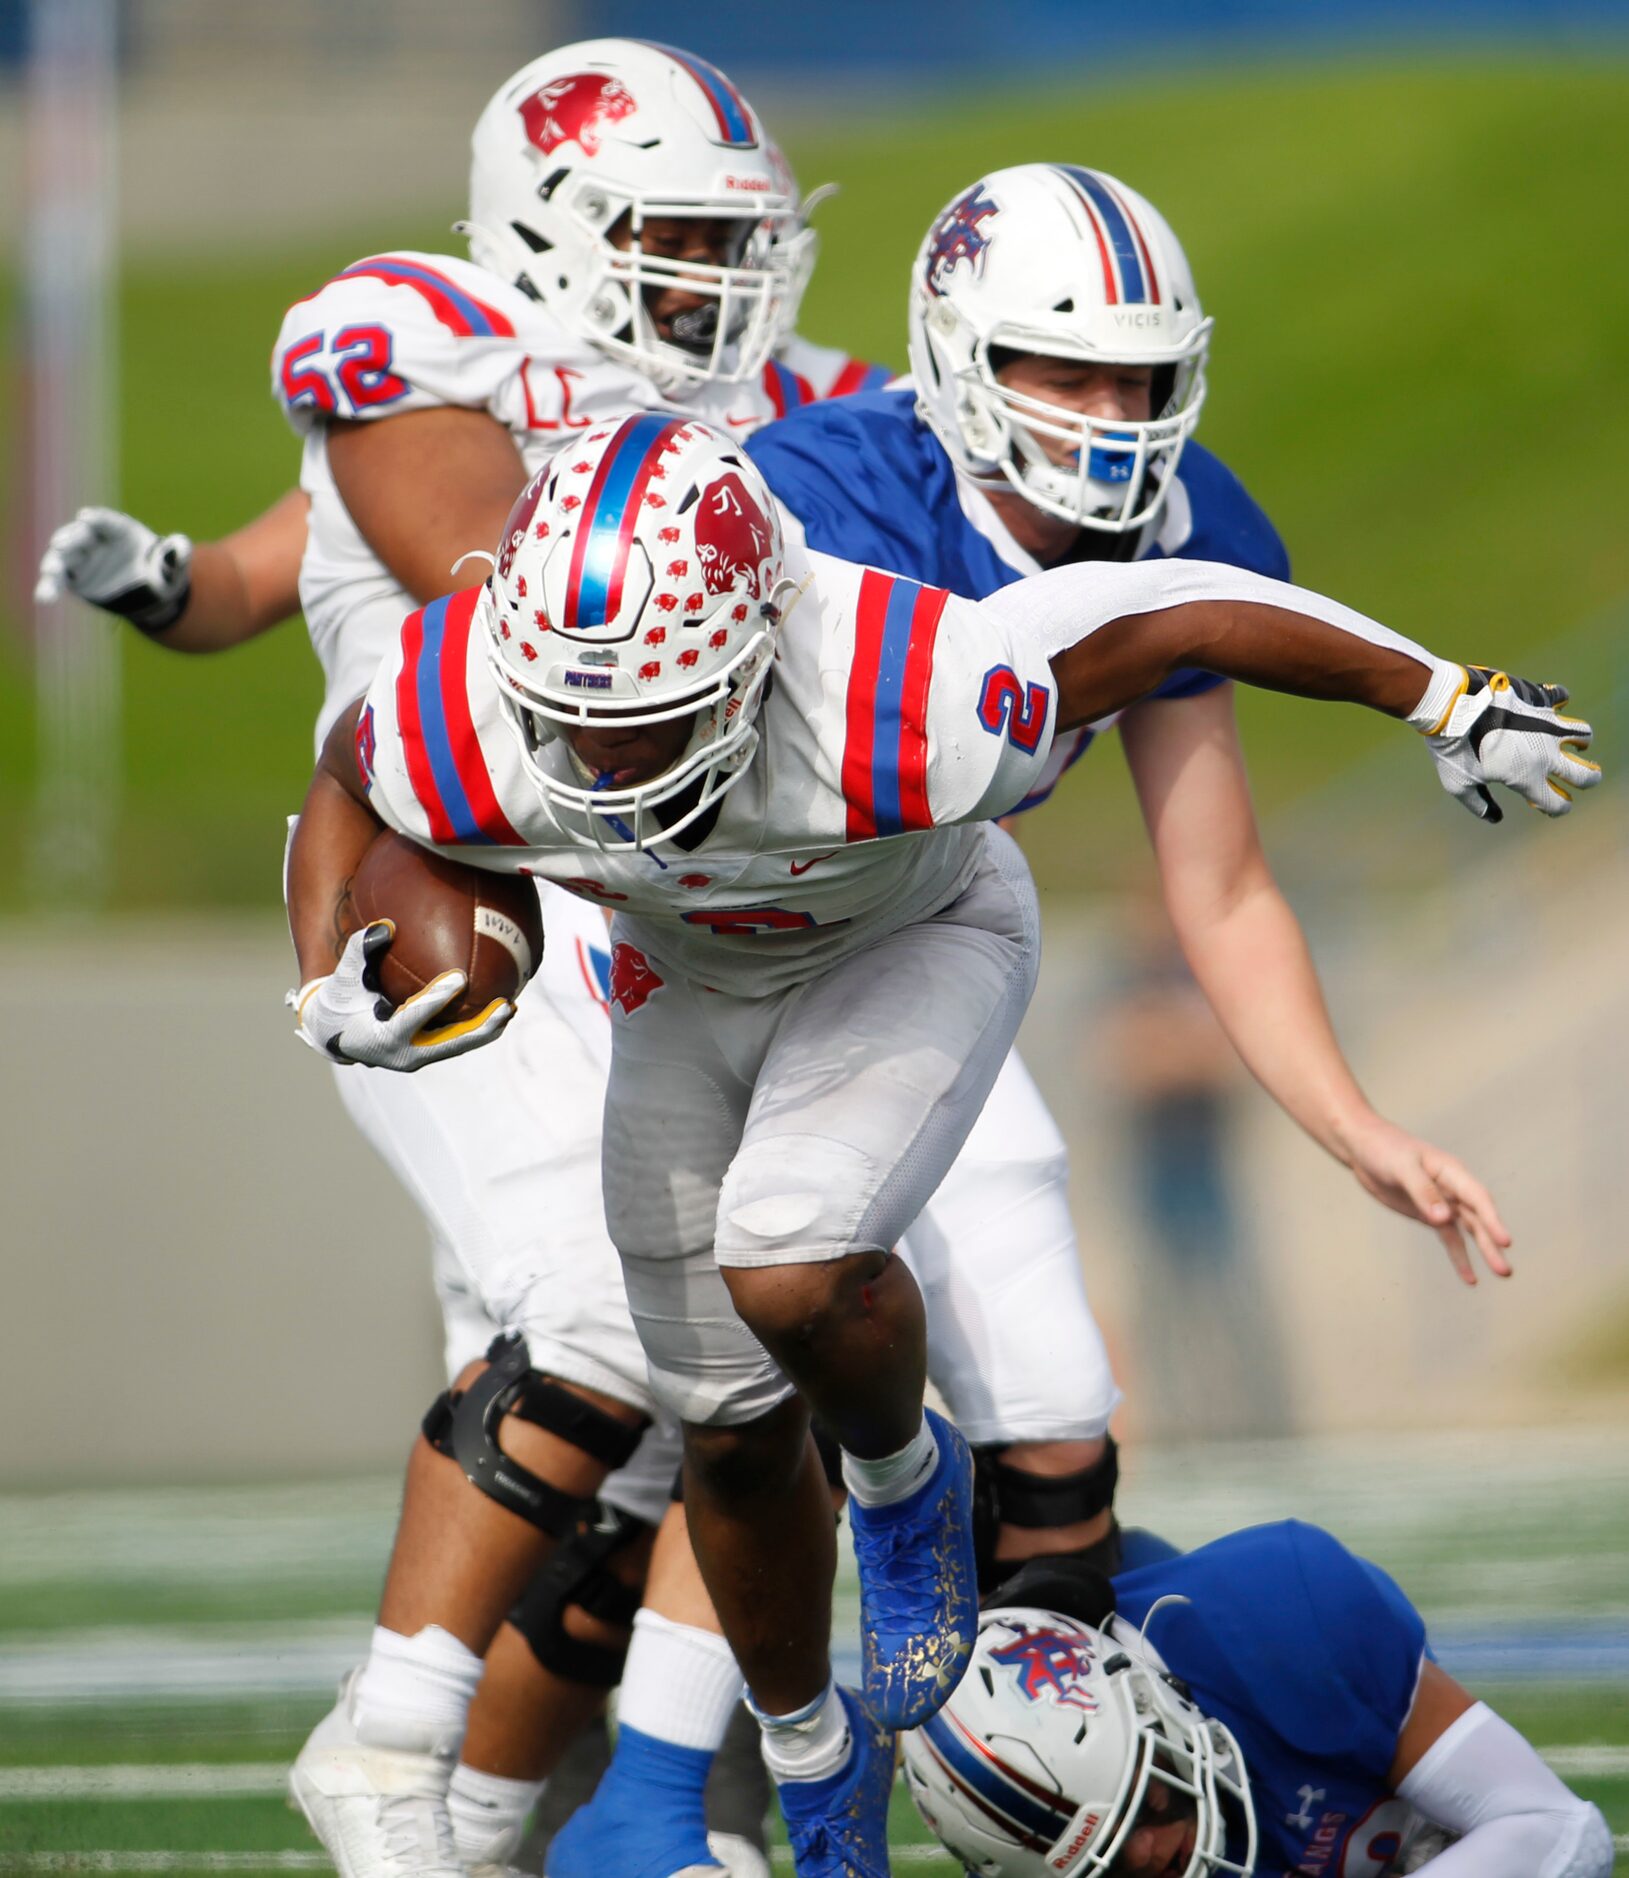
{"x":1418,"y":368}
{"x":163,"y":1653}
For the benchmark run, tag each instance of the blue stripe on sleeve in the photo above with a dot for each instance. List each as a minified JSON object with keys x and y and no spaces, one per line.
{"x":433,"y":728}
{"x":470,"y":309}
{"x":888,"y":715}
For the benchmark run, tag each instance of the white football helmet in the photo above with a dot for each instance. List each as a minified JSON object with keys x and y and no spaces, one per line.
{"x":1041,"y":1764}
{"x":1050,"y":258}
{"x":616,"y":131}
{"x":639,"y":578}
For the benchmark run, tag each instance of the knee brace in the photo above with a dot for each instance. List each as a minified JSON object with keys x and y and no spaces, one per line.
{"x":463,"y":1424}
{"x":1012,"y":1496}
{"x":578,"y":1573}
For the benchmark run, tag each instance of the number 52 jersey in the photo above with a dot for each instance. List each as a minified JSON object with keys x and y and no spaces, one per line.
{"x":899,"y":718}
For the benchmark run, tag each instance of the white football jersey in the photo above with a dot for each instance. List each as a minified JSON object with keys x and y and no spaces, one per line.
{"x":410,"y":332}
{"x":894,"y":710}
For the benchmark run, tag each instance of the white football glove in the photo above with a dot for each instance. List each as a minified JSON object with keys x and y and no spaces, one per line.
{"x":347,"y":1019}
{"x":119,"y":564}
{"x":1484,"y":727}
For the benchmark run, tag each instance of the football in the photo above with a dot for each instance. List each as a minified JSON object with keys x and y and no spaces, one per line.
{"x":448,"y":917}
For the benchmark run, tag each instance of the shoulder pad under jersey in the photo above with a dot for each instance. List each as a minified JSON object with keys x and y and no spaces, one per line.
{"x":398,"y":332}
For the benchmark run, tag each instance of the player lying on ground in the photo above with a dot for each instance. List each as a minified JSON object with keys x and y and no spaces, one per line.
{"x":426,"y":388}
{"x":1267,"y":1703}
{"x":822,"y":953}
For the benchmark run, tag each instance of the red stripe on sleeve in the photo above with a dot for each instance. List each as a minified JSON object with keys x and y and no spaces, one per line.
{"x":411,"y":730}
{"x":772,"y":384}
{"x":850,"y":378}
{"x":440,"y":303}
{"x":468,"y":758}
{"x":914,"y":811}
{"x":859,"y":739}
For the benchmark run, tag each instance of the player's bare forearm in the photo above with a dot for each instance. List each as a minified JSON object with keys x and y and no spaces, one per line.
{"x":1252,"y":963}
{"x":335,"y":829}
{"x":1242,"y":942}
{"x":245,"y":583}
{"x":425,"y":489}
{"x":1268,"y":646}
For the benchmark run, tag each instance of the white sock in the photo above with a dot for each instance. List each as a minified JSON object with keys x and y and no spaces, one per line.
{"x":810,"y":1744}
{"x":895,"y":1476}
{"x":678,"y":1684}
{"x":489,"y":1814}
{"x":414,"y":1692}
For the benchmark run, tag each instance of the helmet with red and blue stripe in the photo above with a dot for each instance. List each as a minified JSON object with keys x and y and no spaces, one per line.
{"x":1069,"y":263}
{"x":1063,"y":1739}
{"x":580,"y":152}
{"x":639,"y":580}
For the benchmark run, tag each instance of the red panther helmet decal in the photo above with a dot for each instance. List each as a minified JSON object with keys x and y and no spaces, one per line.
{"x":733,"y":537}
{"x":574,"y":110}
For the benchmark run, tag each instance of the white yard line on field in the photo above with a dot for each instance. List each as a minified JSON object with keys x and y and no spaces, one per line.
{"x":180,"y":1780}
{"x":164,"y":1861}
{"x":205,"y":1780}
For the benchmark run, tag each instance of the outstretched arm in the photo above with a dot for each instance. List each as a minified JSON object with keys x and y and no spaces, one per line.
{"x":1245,"y":946}
{"x":203,"y":597}
{"x":1113,"y":634}
{"x":1466,"y":1769}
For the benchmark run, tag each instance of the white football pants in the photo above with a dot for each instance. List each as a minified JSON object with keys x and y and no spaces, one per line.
{"x":801,"y":1126}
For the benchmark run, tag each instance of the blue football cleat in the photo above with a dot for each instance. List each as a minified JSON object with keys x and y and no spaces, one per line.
{"x":839,"y":1826}
{"x":918,"y":1587}
{"x":647,"y":1819}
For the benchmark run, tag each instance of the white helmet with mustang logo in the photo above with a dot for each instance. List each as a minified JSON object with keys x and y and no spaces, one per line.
{"x":1050,"y":258}
{"x":580,"y":151}
{"x":1059,"y":1742}
{"x":638,"y":580}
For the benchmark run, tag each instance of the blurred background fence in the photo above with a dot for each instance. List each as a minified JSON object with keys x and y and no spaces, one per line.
{"x":1408,"y":224}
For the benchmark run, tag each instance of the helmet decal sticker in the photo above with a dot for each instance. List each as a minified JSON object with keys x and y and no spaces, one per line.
{"x":959,"y":236}
{"x":733,"y":537}
{"x":575,"y":109}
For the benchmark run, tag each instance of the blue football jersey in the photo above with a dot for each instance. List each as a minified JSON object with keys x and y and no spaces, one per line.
{"x":869,"y":481}
{"x":1311,"y":1656}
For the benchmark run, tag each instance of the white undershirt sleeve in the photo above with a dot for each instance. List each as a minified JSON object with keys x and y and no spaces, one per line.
{"x":1066,"y":604}
{"x":1483,"y":1780}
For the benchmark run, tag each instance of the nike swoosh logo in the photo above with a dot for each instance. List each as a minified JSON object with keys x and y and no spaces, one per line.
{"x":802,"y":867}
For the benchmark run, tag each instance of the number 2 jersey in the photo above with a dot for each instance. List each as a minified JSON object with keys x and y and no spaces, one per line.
{"x":898,"y":717}
{"x":868,"y":479}
{"x":404,"y":332}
